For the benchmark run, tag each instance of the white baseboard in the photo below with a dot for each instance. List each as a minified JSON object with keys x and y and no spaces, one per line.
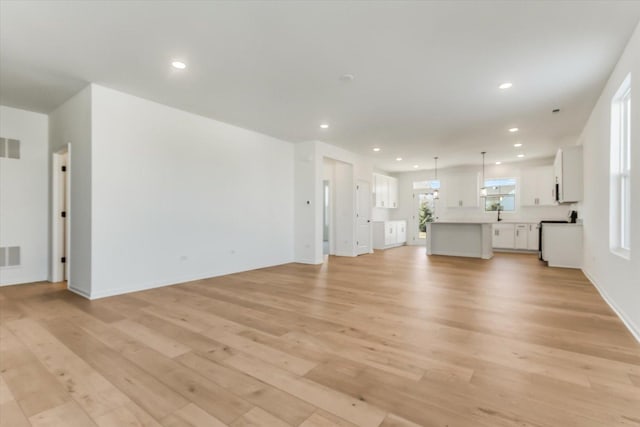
{"x":79,"y":292}
{"x":635,"y":331}
{"x":24,"y":280}
{"x":159,"y":284}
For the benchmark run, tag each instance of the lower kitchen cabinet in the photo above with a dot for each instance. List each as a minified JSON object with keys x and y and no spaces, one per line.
{"x":388,"y":234}
{"x":515,"y":236}
{"x":503,"y":236}
{"x":562,"y":245}
{"x":533,"y":237}
{"x":521,"y":238}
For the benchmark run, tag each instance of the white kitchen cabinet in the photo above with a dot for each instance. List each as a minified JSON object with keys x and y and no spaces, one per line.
{"x":388,"y":234}
{"x":521,"y":237}
{"x":401,"y":231}
{"x":537,"y":187}
{"x":532,"y":237}
{"x":503,"y":236}
{"x":393,"y":192}
{"x":562,"y":245}
{"x":567,"y":168}
{"x":385,"y":191}
{"x":461,"y":191}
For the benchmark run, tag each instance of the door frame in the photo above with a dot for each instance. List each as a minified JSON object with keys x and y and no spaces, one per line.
{"x":359,"y":183}
{"x":60,"y":227}
{"x":414,"y":236}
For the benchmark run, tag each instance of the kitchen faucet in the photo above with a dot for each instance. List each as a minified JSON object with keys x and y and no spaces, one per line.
{"x":499,"y":219}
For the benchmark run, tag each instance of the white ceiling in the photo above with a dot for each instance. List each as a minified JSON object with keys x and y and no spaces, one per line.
{"x":426,"y":73}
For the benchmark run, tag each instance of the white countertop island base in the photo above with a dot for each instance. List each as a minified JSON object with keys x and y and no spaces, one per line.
{"x":467,"y":239}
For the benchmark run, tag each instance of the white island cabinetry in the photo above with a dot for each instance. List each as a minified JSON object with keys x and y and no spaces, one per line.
{"x":464,"y":239}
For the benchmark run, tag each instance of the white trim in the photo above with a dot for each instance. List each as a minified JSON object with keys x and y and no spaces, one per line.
{"x":159,"y":284}
{"x":22,"y":280}
{"x":635,"y":331}
{"x":459,"y":254}
{"x":79,"y":292}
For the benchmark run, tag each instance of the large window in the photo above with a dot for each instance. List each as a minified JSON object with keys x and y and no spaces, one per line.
{"x":501,"y":194}
{"x":620,"y":196}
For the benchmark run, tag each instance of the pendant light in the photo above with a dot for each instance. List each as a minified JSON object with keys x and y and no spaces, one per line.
{"x":483,"y":189}
{"x":436,"y":192}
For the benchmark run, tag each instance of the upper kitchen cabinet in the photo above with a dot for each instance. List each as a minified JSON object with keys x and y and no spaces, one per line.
{"x":568,"y":174}
{"x":537,"y":187}
{"x":385,"y":190}
{"x":461,"y":191}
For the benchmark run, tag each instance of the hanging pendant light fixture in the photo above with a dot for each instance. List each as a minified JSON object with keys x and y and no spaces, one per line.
{"x":436,"y":192}
{"x":483,"y":189}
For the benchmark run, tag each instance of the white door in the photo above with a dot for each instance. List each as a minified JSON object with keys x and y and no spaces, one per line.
{"x":363,"y":217}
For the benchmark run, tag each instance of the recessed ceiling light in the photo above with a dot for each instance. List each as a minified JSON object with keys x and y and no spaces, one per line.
{"x":179,"y":65}
{"x":347,"y":77}
{"x":376,"y":149}
{"x":520,"y":155}
{"x":498,"y":163}
{"x":324,"y":126}
{"x":517,"y":144}
{"x":505,"y":85}
{"x":398,"y":159}
{"x":416,"y":166}
{"x":514,"y":130}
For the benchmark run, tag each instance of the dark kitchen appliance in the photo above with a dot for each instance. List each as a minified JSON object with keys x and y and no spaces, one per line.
{"x":573,"y":217}
{"x":540,"y":234}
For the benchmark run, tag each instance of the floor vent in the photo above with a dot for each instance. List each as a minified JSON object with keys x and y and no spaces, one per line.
{"x":9,"y":256}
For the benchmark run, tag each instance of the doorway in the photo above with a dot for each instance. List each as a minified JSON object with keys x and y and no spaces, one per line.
{"x":423,"y":212}
{"x":326,"y":217}
{"x":363,"y":217}
{"x":60,"y":203}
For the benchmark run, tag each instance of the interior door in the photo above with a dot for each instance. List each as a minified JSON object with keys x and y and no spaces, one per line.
{"x":363,"y":217}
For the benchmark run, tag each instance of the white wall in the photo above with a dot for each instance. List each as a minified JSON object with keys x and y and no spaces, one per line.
{"x":508,"y":170}
{"x":24,"y":195}
{"x":70,"y":123}
{"x":178,"y":197}
{"x":618,"y":279}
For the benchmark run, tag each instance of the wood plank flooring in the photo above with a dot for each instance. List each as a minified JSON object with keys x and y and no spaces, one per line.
{"x":388,"y":339}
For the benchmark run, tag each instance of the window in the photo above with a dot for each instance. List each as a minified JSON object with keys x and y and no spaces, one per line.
{"x":620,"y":171}
{"x":501,"y":194}
{"x":430,"y":185}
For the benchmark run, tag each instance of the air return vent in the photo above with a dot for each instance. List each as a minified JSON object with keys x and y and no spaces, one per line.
{"x":10,"y":148}
{"x":9,"y":256}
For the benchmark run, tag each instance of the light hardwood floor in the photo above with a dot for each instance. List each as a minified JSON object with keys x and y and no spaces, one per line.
{"x":390,"y":339}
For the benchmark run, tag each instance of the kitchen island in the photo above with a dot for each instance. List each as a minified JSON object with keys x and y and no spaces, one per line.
{"x":465,"y":239}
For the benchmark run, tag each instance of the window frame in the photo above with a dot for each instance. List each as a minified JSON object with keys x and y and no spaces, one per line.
{"x":515,"y":195}
{"x":620,"y":171}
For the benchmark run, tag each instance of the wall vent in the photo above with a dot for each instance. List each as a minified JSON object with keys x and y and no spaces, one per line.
{"x":10,"y":148}
{"x":10,"y":256}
